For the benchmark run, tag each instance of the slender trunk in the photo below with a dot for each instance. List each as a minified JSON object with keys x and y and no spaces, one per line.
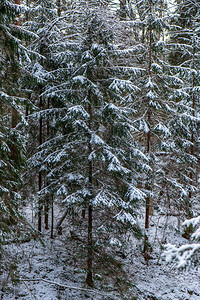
{"x":148,"y":199}
{"x":192,"y":133}
{"x":14,"y":118}
{"x":52,"y":217}
{"x":40,"y":206}
{"x":14,"y":113}
{"x":46,"y":215}
{"x":17,"y":22}
{"x":58,"y":8}
{"x":83,"y":213}
{"x":40,"y":176}
{"x":122,"y":12}
{"x":89,"y":279}
{"x":46,"y":207}
{"x":149,"y":122}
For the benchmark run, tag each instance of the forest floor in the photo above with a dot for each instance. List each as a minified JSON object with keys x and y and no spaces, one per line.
{"x":51,"y":271}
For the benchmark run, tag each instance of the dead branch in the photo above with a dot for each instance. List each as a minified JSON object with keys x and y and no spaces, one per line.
{"x":70,"y":287}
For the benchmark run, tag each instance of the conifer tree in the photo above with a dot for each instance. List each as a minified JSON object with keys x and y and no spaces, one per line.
{"x":161,"y":111}
{"x":152,"y":102}
{"x":93,"y":161}
{"x":185,"y":58}
{"x":13,"y":54}
{"x":40,"y":22}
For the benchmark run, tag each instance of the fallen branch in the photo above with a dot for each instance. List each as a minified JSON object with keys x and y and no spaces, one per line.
{"x":69,"y":287}
{"x":61,"y":219}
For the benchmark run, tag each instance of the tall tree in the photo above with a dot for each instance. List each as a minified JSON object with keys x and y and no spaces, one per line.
{"x":40,"y":21}
{"x":12,"y":148}
{"x":161,"y":114}
{"x":92,"y":160}
{"x":185,"y":58}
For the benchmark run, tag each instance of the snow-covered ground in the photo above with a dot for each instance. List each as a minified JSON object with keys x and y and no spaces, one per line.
{"x":52,"y":272}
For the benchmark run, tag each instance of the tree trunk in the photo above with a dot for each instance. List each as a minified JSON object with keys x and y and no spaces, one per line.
{"x":192,"y":133}
{"x":40,"y":176}
{"x":17,"y":22}
{"x":148,"y":199}
{"x":188,"y":203}
{"x":40,"y":206}
{"x":122,"y":11}
{"x":47,"y":199}
{"x":14,"y":113}
{"x":46,"y":215}
{"x":58,"y":8}
{"x":89,"y":279}
{"x":52,"y":218}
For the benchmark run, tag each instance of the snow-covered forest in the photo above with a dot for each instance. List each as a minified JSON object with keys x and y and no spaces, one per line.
{"x":99,"y":149}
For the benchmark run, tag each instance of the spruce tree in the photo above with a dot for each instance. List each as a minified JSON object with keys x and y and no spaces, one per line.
{"x":161,"y":113}
{"x":13,"y":55}
{"x":40,"y":22}
{"x":185,"y":58}
{"x":92,"y":161}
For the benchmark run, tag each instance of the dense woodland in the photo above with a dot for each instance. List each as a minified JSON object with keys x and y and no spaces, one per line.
{"x":99,"y":129}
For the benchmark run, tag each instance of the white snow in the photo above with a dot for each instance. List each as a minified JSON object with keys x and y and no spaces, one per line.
{"x":52,"y":271}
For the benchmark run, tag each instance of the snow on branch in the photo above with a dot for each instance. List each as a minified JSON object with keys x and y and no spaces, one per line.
{"x":120,"y":86}
{"x":182,"y":254}
{"x":185,"y":253}
{"x":134,"y":193}
{"x":104,"y":198}
{"x":125,"y":218}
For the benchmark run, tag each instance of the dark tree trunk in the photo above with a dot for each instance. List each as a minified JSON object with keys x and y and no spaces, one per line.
{"x":47,"y":199}
{"x":17,"y":22}
{"x":46,"y":215}
{"x":52,"y":218}
{"x":122,"y":11}
{"x":189,"y":204}
{"x":15,"y":115}
{"x":89,"y":279}
{"x":148,"y":199}
{"x":58,"y":8}
{"x":40,"y":206}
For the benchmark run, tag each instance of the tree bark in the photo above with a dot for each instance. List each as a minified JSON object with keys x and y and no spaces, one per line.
{"x":47,"y":199}
{"x":148,"y":199}
{"x":17,"y":22}
{"x":58,"y":8}
{"x":192,"y":130}
{"x":14,"y":113}
{"x":122,"y":12}
{"x":89,"y":279}
{"x":149,"y":123}
{"x":40,"y":206}
{"x":52,"y":217}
